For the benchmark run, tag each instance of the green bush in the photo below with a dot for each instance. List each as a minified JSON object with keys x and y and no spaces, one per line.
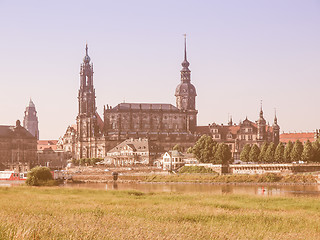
{"x":195,"y":169}
{"x":39,"y":176}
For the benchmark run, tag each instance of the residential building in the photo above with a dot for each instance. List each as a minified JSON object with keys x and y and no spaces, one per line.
{"x":133,"y":151}
{"x":50,"y":153}
{"x":172,"y":160}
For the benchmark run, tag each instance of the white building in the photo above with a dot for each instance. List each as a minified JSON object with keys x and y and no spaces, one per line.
{"x":171,"y":160}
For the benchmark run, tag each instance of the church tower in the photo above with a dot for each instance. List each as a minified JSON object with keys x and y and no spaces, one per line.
{"x":30,"y":121}
{"x":86,"y":119}
{"x":261,"y":126}
{"x":276,"y":130}
{"x":186,"y":93}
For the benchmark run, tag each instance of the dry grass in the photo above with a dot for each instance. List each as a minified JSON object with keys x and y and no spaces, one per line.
{"x":55,"y":213}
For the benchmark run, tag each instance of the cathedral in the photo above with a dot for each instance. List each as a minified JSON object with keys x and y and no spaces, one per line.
{"x":163,"y":124}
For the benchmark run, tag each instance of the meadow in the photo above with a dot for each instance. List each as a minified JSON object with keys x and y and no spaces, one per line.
{"x":62,"y":213}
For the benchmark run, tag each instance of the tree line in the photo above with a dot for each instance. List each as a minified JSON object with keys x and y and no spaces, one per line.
{"x":206,"y":150}
{"x":291,"y":152}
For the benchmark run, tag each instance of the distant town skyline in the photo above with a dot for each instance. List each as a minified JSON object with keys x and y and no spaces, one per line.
{"x":239,"y":52}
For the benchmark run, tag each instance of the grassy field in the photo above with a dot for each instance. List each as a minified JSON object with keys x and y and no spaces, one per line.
{"x":204,"y":178}
{"x":57,"y":213}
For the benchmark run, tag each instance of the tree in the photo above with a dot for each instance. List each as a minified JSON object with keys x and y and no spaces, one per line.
{"x":269,"y":157}
{"x":38,"y":176}
{"x":177,"y":147}
{"x":308,"y":152}
{"x":244,"y":155}
{"x":287,"y":152}
{"x":254,"y":153}
{"x":189,"y":150}
{"x":316,"y":150}
{"x":263,"y":150}
{"x":203,"y":149}
{"x":296,"y":151}
{"x":222,"y":154}
{"x":279,"y":153}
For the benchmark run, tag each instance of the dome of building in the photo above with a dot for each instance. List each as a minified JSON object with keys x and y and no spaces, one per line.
{"x":185,"y":89}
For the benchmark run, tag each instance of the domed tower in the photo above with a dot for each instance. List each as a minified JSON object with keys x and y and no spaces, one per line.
{"x":30,"y":121}
{"x":261,"y":126}
{"x":186,"y":93}
{"x":276,"y":130}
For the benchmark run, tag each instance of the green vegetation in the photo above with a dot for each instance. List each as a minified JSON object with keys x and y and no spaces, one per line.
{"x":208,"y":151}
{"x":86,"y":161}
{"x":263,"y":150}
{"x":243,"y":178}
{"x":57,"y":213}
{"x":254,"y":153}
{"x":40,"y":176}
{"x":279,"y":153}
{"x":269,"y":155}
{"x":195,"y":169}
{"x":296,"y":151}
{"x":244,"y":156}
{"x":287,"y":152}
{"x":178,"y":148}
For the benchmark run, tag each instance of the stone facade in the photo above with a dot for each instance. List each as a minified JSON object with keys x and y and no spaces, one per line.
{"x":163,"y":124}
{"x":246,"y":132}
{"x":51,"y":154}
{"x":17,"y":147}
{"x":30,"y":121}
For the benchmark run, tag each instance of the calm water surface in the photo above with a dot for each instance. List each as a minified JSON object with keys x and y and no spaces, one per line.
{"x":267,"y":190}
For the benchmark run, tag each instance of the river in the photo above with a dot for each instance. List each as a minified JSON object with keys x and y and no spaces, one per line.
{"x":262,"y":190}
{"x":267,"y":190}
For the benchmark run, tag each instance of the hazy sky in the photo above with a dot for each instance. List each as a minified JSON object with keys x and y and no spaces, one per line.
{"x":239,"y":52}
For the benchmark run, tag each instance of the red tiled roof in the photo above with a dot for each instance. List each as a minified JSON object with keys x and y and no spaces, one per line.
{"x":203,"y":129}
{"x":302,"y":137}
{"x":47,"y":144}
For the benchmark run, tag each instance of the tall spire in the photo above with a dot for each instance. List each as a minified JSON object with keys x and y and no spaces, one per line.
{"x":86,"y":59}
{"x":185,"y":64}
{"x":275,"y":117}
{"x":261,"y":111}
{"x":185,"y":47}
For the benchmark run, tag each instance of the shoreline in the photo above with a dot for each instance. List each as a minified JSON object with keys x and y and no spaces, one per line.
{"x":195,"y":182}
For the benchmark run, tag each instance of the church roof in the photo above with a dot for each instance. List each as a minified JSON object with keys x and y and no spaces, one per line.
{"x":14,"y":132}
{"x":145,"y":106}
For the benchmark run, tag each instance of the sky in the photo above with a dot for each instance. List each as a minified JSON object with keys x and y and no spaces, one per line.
{"x":240,"y":52}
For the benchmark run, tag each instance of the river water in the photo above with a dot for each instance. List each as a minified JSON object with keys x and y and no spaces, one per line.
{"x":262,"y":190}
{"x":267,"y":190}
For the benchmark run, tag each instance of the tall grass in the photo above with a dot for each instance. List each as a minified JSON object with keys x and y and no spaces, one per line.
{"x":55,"y":213}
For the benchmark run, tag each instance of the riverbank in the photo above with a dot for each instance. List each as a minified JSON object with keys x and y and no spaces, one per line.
{"x":56,"y":213}
{"x":270,"y":178}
